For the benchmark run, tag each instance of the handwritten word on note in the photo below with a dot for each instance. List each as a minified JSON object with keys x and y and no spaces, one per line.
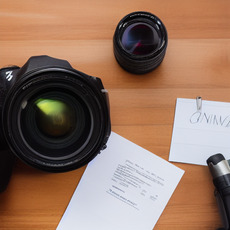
{"x":198,"y":134}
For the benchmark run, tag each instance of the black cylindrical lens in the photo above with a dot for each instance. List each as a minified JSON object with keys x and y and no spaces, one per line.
{"x":215,"y":159}
{"x":140,"y":42}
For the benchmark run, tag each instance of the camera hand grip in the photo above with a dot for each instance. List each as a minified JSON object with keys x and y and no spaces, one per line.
{"x":6,"y":165}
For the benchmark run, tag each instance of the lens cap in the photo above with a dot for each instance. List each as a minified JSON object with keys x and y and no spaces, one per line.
{"x":215,"y":159}
{"x":140,"y":42}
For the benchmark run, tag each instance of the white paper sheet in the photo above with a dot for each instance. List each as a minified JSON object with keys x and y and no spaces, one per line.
{"x":125,"y":187}
{"x":199,"y":134}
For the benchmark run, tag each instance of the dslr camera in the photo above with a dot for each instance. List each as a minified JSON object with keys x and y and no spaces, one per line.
{"x":53,"y":117}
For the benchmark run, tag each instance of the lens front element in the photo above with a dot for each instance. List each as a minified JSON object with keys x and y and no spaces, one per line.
{"x":54,"y":118}
{"x":140,"y":39}
{"x":55,"y":123}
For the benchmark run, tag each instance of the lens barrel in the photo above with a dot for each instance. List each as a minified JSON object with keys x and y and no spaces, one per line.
{"x":140,"y":42}
{"x":54,"y":118}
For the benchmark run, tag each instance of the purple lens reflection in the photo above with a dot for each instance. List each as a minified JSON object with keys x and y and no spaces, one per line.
{"x":140,"y":39}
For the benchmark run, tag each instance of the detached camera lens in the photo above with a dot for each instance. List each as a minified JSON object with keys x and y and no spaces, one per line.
{"x":140,"y":42}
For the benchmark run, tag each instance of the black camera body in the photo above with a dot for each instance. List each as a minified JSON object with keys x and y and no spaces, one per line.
{"x":53,"y":117}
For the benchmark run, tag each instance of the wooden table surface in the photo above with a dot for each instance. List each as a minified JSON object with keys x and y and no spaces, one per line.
{"x":197,"y":63}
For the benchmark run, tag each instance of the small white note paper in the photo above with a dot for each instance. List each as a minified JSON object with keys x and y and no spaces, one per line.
{"x":125,"y":187}
{"x":198,"y":134}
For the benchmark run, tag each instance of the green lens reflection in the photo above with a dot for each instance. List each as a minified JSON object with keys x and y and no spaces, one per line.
{"x":54,"y":117}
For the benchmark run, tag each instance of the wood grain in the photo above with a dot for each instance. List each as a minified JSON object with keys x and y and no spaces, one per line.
{"x":197,"y":63}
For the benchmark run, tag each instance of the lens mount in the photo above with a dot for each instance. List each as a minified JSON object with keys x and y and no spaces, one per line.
{"x":56,"y":120}
{"x":140,"y":42}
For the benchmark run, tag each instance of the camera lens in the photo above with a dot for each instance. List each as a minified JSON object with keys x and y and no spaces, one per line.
{"x":140,"y":42}
{"x":56,"y":121}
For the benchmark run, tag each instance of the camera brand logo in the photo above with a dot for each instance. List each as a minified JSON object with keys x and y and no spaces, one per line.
{"x":9,"y":75}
